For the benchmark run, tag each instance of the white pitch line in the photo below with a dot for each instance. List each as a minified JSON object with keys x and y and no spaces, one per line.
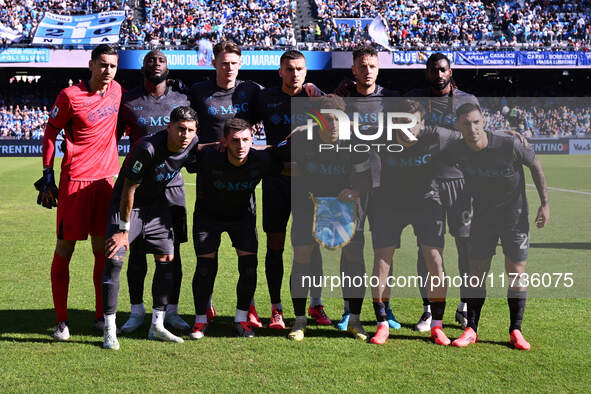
{"x":563,"y":190}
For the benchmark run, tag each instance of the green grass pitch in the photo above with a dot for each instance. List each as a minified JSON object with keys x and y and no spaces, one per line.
{"x":326,"y":360}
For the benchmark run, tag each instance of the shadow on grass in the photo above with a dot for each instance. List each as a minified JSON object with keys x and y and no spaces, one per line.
{"x":561,"y":245}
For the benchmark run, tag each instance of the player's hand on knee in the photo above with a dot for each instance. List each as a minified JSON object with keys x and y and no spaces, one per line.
{"x":116,"y":242}
{"x":47,"y":188}
{"x":543,"y":215}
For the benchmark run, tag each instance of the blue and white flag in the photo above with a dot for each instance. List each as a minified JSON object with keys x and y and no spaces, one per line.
{"x":335,"y":221}
{"x":9,"y":34}
{"x":94,"y":29}
{"x":378,"y":31}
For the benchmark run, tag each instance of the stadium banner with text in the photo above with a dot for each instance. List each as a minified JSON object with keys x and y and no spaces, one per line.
{"x":358,"y":23}
{"x":24,"y":55}
{"x":469,"y":59}
{"x":558,"y":58}
{"x":34,"y":148}
{"x":251,"y":60}
{"x":93,"y":29}
{"x":481,"y":58}
{"x":550,"y":146}
{"x":580,"y":146}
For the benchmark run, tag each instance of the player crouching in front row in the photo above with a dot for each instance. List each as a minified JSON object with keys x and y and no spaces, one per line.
{"x":139,"y":208}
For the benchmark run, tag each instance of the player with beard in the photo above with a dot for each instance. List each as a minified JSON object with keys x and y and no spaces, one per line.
{"x":408,"y":195}
{"x":493,"y":163}
{"x":87,"y":112}
{"x":273,"y":106}
{"x":441,"y":99}
{"x":140,"y":209}
{"x":145,"y":110}
{"x":366,"y":97}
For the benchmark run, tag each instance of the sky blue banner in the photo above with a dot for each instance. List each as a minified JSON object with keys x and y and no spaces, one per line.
{"x":557,"y":58}
{"x":359,"y":23}
{"x":24,"y":55}
{"x":251,"y":60}
{"x":417,"y":57}
{"x":93,"y":29}
{"x":476,"y":58}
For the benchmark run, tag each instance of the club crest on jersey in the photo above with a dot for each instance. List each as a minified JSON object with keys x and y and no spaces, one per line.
{"x":54,"y":111}
{"x":137,"y":167}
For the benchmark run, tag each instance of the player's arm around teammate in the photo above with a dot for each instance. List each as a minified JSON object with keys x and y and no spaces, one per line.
{"x":140,"y":210}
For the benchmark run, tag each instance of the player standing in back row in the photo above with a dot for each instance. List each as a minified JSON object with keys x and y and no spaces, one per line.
{"x":441,"y":100}
{"x":274,"y":108}
{"x":87,"y":112}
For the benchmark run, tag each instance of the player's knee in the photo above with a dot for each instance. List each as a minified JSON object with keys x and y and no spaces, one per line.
{"x":65,"y":248}
{"x":112,"y":270}
{"x":275,"y":241}
{"x":204,"y":267}
{"x":247,"y":265}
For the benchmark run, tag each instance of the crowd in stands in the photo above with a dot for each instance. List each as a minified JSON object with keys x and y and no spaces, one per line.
{"x":23,"y":123}
{"x":474,"y":24}
{"x":264,"y":24}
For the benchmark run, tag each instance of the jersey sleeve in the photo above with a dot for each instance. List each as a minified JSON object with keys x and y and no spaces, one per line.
{"x":447,"y":137}
{"x":522,"y":154}
{"x":360,"y":162}
{"x":61,"y":113}
{"x":139,"y":164}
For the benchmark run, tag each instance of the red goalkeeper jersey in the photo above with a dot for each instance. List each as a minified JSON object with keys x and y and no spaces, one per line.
{"x":89,"y":120}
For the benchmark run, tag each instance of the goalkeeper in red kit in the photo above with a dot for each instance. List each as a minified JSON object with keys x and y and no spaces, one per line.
{"x":87,"y":112}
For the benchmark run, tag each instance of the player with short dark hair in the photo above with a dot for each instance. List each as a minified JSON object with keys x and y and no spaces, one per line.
{"x":217,"y":101}
{"x":441,"y":99}
{"x":145,"y":110}
{"x":492,"y":163}
{"x":408,"y":195}
{"x":140,"y":209}
{"x":273,"y":107}
{"x":365,"y":98}
{"x":225,"y":203}
{"x":344,"y":175}
{"x":87,"y":112}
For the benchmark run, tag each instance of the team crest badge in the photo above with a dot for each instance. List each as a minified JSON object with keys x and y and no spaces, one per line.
{"x":137,"y":167}
{"x":334,"y":221}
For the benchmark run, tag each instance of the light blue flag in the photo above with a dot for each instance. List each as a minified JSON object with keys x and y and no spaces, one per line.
{"x":334,"y":222}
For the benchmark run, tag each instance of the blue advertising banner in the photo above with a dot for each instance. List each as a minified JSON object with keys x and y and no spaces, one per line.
{"x":24,"y":55}
{"x":417,"y":57}
{"x":251,"y":60}
{"x":584,"y":58}
{"x":558,"y":58}
{"x":359,"y":23}
{"x":476,"y":58}
{"x":34,"y":148}
{"x":93,"y":29}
